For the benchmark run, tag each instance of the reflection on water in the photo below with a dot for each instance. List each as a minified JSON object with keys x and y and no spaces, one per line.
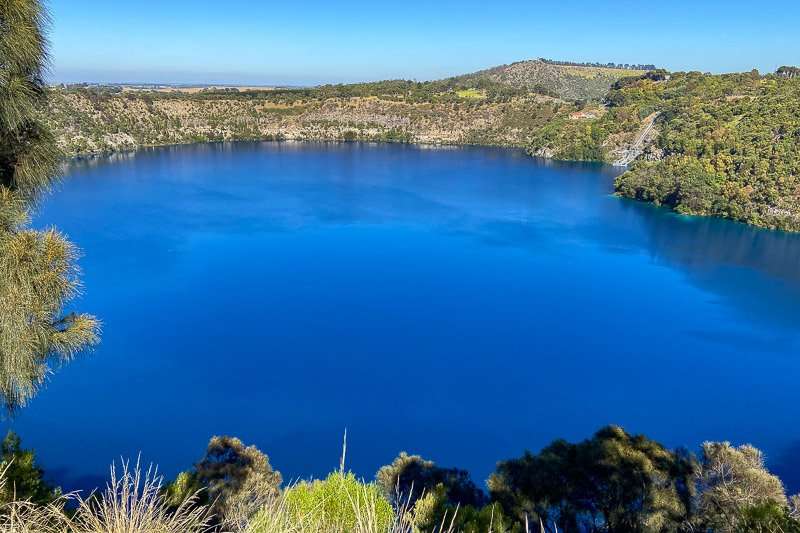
{"x":463,"y":303}
{"x":722,"y":257}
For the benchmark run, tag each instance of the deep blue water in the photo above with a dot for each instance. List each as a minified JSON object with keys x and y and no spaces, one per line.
{"x":465,"y":304}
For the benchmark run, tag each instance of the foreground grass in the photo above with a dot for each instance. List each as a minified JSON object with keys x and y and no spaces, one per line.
{"x":133,"y":502}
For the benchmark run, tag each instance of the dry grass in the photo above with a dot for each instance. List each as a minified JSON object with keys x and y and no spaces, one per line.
{"x":131,"y":503}
{"x":25,"y":517}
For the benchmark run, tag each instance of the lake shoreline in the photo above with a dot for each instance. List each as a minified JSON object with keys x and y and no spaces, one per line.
{"x":111,"y":153}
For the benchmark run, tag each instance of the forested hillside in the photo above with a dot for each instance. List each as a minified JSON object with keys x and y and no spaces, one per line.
{"x":729,"y":146}
{"x":721,"y":145}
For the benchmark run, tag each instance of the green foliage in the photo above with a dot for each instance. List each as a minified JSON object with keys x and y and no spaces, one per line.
{"x":184,"y":487}
{"x":570,"y":81}
{"x":410,"y":476}
{"x":570,"y":140}
{"x":27,"y":155}
{"x":435,"y":512}
{"x":37,"y":268}
{"x":339,"y":502}
{"x":22,"y":476}
{"x":729,"y":144}
{"x":627,"y":483}
{"x":764,"y":518}
{"x":232,"y":478}
{"x":788,"y":72}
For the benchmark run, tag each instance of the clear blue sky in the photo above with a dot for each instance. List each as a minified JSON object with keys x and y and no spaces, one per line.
{"x":313,"y":41}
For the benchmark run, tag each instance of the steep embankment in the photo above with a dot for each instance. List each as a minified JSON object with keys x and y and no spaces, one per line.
{"x":92,"y":121}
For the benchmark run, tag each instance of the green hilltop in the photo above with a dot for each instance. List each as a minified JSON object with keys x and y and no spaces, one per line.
{"x":570,"y":81}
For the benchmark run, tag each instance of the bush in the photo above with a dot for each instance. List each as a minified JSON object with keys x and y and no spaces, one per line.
{"x":409,"y":477}
{"x":234,"y":479}
{"x":627,"y":482}
{"x":433,"y":512}
{"x":341,"y":503}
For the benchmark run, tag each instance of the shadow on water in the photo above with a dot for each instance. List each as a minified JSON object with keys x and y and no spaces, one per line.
{"x":717,"y":254}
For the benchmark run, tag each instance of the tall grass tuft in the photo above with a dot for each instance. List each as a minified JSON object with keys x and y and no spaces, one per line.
{"x":22,"y":516}
{"x":133,"y":502}
{"x":343,"y":506}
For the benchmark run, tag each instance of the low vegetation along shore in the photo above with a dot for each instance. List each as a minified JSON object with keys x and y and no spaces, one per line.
{"x":718,"y":145}
{"x":611,"y":482}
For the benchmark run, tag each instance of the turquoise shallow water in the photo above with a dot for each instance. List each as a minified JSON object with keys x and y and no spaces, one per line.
{"x":461,"y":303}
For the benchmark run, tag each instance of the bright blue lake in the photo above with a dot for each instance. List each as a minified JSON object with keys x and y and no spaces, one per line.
{"x":460,"y":303}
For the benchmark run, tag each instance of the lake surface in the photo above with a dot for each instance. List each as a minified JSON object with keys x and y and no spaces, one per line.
{"x":460,"y":303}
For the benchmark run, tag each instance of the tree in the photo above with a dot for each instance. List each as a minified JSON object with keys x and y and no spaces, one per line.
{"x":736,"y":489}
{"x":236,"y":480}
{"x":788,"y":72}
{"x":409,"y":477}
{"x":38,"y":275}
{"x":438,"y":497}
{"x":22,"y":478}
{"x":614,"y":481}
{"x":539,"y":486}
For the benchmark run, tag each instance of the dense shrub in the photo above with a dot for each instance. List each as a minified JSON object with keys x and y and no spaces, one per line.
{"x":409,"y":477}
{"x":340,"y":503}
{"x":624,"y":482}
{"x":234,"y":479}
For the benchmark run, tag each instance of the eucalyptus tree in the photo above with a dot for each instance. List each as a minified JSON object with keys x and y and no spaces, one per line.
{"x":613,"y":482}
{"x":38,"y":274}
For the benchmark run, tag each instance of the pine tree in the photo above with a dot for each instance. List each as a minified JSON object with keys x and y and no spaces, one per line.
{"x":38,"y":275}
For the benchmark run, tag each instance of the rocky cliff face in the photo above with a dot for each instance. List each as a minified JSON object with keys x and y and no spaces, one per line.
{"x":88,"y":121}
